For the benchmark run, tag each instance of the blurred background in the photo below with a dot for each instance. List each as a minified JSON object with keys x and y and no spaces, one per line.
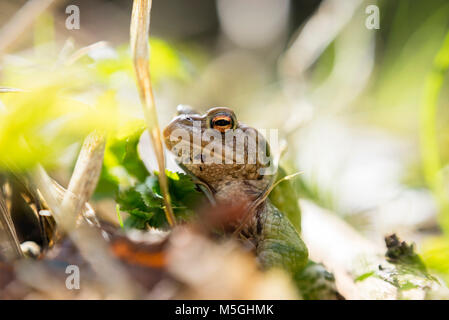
{"x":364,"y":112}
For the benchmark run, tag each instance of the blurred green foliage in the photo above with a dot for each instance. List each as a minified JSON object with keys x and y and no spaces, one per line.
{"x":435,"y":250}
{"x":165,"y":62}
{"x":63,"y":96}
{"x":429,"y":143}
{"x":435,"y":253}
{"x":37,"y":127}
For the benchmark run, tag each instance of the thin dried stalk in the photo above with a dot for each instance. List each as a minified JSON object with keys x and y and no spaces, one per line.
{"x":139,"y":32}
{"x":8,"y":230}
{"x":17,"y":25}
{"x":85,"y":177}
{"x":84,"y":51}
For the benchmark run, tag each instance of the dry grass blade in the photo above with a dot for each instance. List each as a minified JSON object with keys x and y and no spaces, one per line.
{"x":85,"y":176}
{"x":8,"y":231}
{"x":21,"y":21}
{"x":10,"y":90}
{"x":139,"y":32}
{"x":84,"y":51}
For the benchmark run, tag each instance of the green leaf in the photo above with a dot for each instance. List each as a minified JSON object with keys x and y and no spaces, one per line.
{"x":134,"y":222}
{"x":364,"y":276}
{"x":144,"y":201}
{"x":119,"y":216}
{"x":122,"y":166}
{"x":148,"y":193}
{"x":125,"y":152}
{"x":130,"y":200}
{"x":183,"y":189}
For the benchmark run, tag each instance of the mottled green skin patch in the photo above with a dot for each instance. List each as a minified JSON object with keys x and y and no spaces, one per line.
{"x":316,"y":283}
{"x":279,"y":243}
{"x":285,"y":198}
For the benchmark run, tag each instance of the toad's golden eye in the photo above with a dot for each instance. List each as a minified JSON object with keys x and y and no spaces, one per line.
{"x":222,"y":122}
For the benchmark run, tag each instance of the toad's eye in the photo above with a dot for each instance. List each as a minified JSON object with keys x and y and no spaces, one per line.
{"x":222,"y":123}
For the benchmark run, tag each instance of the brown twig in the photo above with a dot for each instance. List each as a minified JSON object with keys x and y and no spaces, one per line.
{"x":139,"y":33}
